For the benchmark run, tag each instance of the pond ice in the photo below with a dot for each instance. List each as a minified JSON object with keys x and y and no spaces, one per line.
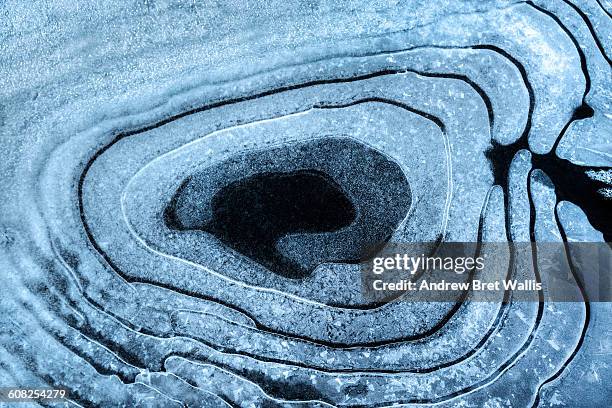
{"x":498,"y":113}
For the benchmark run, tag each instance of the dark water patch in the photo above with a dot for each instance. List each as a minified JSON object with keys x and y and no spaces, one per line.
{"x":251,"y":214}
{"x":294,"y":207}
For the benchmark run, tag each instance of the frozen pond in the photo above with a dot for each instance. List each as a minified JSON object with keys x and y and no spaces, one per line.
{"x":187,"y":188}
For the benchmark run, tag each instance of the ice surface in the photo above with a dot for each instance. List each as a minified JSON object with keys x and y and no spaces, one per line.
{"x":108,"y":108}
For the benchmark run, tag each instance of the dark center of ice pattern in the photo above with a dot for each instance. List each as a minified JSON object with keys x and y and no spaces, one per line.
{"x":329,"y":200}
{"x":253,"y":213}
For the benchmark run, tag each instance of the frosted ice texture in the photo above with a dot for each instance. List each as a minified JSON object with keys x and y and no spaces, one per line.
{"x":107,"y":107}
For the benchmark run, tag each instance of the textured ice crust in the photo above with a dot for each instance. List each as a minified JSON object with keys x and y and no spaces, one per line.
{"x":497,"y":113}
